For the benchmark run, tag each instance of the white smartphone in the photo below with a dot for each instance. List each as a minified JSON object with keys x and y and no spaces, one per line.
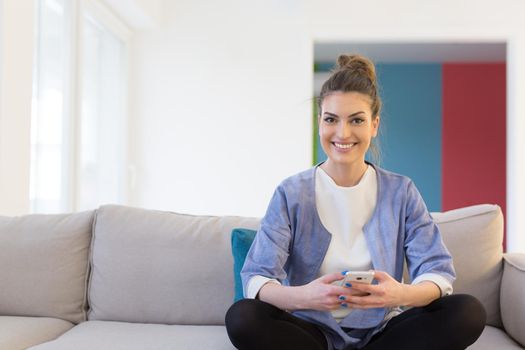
{"x":358,"y":276}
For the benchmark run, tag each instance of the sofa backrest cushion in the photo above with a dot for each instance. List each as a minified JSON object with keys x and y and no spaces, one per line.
{"x":474,"y":237}
{"x":44,"y":261}
{"x":160,"y":267}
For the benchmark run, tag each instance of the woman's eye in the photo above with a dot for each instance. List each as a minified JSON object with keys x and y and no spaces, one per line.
{"x":329,"y":120}
{"x":358,"y":121}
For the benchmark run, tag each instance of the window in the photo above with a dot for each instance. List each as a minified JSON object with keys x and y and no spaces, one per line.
{"x":78,"y":128}
{"x":1,"y":47}
{"x":101,"y":161}
{"x":49,"y":145}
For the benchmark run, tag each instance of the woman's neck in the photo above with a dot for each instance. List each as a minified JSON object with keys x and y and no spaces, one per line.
{"x":345,"y":175}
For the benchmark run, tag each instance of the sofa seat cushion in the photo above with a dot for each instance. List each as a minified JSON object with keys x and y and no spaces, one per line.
{"x":17,"y":333}
{"x":107,"y":335}
{"x":494,"y":338}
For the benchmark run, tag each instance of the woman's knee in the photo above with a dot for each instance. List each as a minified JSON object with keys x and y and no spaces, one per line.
{"x":239,"y":313}
{"x":474,"y":312}
{"x":466,"y":313}
{"x":245,"y":315}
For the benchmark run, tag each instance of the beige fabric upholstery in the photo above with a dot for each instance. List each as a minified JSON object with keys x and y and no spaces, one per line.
{"x":167,"y":278}
{"x":44,"y":264}
{"x":474,"y":236}
{"x":160,"y":267}
{"x":17,"y":333}
{"x":102,"y":335}
{"x":513,"y":296}
{"x":494,"y":338}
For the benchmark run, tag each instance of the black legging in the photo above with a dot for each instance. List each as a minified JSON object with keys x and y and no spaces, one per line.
{"x":452,"y":322}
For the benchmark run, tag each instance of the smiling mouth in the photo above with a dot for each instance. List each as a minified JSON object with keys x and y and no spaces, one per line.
{"x":343,"y":145}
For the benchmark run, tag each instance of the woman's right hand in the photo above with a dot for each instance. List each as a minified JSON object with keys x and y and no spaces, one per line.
{"x":322,"y":295}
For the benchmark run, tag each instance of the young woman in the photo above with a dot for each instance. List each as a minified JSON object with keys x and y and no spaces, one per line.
{"x":349,"y":214}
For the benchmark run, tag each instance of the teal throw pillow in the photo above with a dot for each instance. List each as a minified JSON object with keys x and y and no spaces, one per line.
{"x":242,"y":240}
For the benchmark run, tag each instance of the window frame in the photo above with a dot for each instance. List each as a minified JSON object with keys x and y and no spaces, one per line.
{"x":105,"y":17}
{"x":72,"y":105}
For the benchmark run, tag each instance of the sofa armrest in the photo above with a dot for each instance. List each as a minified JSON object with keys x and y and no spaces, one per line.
{"x":512,"y":300}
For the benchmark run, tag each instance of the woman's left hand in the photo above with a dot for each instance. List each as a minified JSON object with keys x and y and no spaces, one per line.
{"x":387,"y":293}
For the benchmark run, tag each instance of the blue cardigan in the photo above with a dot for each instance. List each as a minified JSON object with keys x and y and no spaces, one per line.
{"x":291,"y":244}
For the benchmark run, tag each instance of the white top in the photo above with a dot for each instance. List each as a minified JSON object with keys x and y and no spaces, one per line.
{"x":344,"y":211}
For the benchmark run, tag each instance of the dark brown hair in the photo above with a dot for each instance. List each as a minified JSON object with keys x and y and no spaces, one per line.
{"x":355,"y":73}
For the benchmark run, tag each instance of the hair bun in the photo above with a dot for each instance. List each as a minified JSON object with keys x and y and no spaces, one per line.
{"x":357,"y":63}
{"x":353,"y":73}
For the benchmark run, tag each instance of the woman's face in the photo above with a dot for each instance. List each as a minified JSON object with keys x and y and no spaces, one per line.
{"x":346,"y":127}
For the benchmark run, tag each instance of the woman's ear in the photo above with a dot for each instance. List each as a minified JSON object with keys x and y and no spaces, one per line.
{"x":375,"y":125}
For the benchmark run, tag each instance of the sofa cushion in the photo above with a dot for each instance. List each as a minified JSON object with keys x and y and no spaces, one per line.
{"x":474,"y":236}
{"x":242,"y":240}
{"x":513,"y":296}
{"x":17,"y":333}
{"x":102,"y":335}
{"x":44,"y":263}
{"x":159,"y":267}
{"x":494,"y":339}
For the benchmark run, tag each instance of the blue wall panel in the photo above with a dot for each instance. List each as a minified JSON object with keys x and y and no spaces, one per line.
{"x":411,"y":125}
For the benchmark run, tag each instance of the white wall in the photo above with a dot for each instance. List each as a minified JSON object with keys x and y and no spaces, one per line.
{"x":220,"y":92}
{"x":16,"y":23}
{"x":221,"y":106}
{"x":139,"y":14}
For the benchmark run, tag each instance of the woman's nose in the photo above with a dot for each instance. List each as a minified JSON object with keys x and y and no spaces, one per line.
{"x":344,"y":131}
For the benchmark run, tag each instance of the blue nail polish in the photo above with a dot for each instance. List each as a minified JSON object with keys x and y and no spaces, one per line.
{"x":348,"y":285}
{"x":344,"y":272}
{"x":342,"y":298}
{"x":344,"y":305}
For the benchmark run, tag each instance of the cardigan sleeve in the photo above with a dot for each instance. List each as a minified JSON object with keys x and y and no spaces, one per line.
{"x":425,"y":251}
{"x":444,"y":285}
{"x":255,"y":284}
{"x":269,"y":252}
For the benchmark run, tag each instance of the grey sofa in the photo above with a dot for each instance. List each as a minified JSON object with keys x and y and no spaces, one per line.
{"x":128,"y":278}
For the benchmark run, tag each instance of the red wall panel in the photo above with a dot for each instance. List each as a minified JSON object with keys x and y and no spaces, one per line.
{"x":474,"y":136}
